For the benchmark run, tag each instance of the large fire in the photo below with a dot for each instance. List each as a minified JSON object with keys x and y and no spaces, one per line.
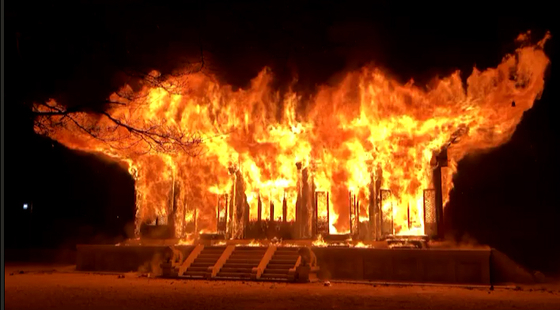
{"x":367,"y":127}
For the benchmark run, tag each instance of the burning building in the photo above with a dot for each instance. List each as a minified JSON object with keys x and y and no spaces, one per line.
{"x":366,"y":159}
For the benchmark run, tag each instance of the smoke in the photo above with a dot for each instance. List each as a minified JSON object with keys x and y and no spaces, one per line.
{"x":153,"y":266}
{"x":459,"y":241}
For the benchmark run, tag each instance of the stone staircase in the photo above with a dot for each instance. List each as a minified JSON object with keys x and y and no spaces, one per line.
{"x":268,"y":263}
{"x":241,"y":262}
{"x":207,"y":258}
{"x":282,"y":263}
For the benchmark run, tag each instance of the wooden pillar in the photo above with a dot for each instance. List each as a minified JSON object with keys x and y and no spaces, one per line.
{"x":238,"y":207}
{"x":439,"y":161}
{"x":299,"y":223}
{"x":231,"y":218}
{"x":350,"y":211}
{"x":271,"y":209}
{"x":284,"y":209}
{"x":306,"y":206}
{"x":259,"y":209}
{"x":375,"y":219}
{"x":328,"y":215}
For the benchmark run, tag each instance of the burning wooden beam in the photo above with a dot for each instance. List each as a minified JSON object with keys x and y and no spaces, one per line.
{"x":439,"y":161}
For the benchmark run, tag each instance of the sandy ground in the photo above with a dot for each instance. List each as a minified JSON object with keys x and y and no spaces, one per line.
{"x":60,"y":287}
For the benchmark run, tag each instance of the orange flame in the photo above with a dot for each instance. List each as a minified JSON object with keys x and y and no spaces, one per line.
{"x":344,"y":134}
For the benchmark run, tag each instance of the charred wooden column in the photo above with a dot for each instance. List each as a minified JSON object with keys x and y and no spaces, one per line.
{"x":195,"y":219}
{"x":271,"y":204}
{"x":239,"y":215}
{"x":386,"y":221}
{"x":354,"y":214}
{"x":374,"y":203}
{"x":231,"y":206}
{"x":322,"y":224}
{"x":430,"y":223}
{"x":438,"y":162}
{"x":259,"y":210}
{"x":299,"y":203}
{"x":246,"y":210}
{"x":168,"y":223}
{"x":372,"y":206}
{"x":312,"y":204}
{"x":284,"y":209}
{"x":304,"y":205}
{"x":171,"y":215}
{"x":222,"y":213}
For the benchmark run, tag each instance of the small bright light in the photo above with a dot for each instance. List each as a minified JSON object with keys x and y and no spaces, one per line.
{"x":25,"y":206}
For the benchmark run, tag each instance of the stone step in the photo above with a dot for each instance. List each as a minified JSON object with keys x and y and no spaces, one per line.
{"x":274,"y":276}
{"x":276,"y":271}
{"x":195,"y":264}
{"x":212,"y":251}
{"x":242,"y":260}
{"x":208,"y":257}
{"x":236,"y":270}
{"x":237,"y":252}
{"x":198,"y":274}
{"x":249,"y":253}
{"x":205,"y":261}
{"x":234,"y":275}
{"x":239,"y":265}
{"x":197,"y":269}
{"x":210,"y":254}
{"x":282,"y":261}
{"x":286,"y":252}
{"x":251,"y":249}
{"x":286,"y":257}
{"x":245,"y":256}
{"x":279,"y":266}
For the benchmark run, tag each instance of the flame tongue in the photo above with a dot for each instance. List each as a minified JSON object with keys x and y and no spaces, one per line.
{"x":367,"y":125}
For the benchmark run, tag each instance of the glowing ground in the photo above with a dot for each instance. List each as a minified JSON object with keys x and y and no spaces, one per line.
{"x":48,"y":287}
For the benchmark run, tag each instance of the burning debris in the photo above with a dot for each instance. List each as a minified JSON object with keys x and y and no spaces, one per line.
{"x":365,"y":159}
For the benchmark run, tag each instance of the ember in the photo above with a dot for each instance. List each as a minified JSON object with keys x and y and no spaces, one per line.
{"x":357,"y":157}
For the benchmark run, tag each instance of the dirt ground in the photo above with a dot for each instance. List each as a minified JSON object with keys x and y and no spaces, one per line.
{"x":61,"y":287}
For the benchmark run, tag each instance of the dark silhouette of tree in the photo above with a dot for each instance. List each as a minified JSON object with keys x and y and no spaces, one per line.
{"x":121,"y":132}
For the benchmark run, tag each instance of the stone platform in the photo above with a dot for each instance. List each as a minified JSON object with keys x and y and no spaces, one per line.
{"x":432,"y":265}
{"x":405,"y":265}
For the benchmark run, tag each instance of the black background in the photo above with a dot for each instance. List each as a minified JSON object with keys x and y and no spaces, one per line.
{"x":75,"y":52}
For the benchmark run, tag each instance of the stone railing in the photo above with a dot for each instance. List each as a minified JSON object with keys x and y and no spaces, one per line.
{"x":257,"y":271}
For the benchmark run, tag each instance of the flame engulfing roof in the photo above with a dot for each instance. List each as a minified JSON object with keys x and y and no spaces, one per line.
{"x":189,"y":129}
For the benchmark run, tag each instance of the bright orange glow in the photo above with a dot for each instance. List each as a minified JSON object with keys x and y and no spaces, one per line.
{"x":344,"y":134}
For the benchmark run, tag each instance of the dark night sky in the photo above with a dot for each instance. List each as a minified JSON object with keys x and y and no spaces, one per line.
{"x":76,"y":51}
